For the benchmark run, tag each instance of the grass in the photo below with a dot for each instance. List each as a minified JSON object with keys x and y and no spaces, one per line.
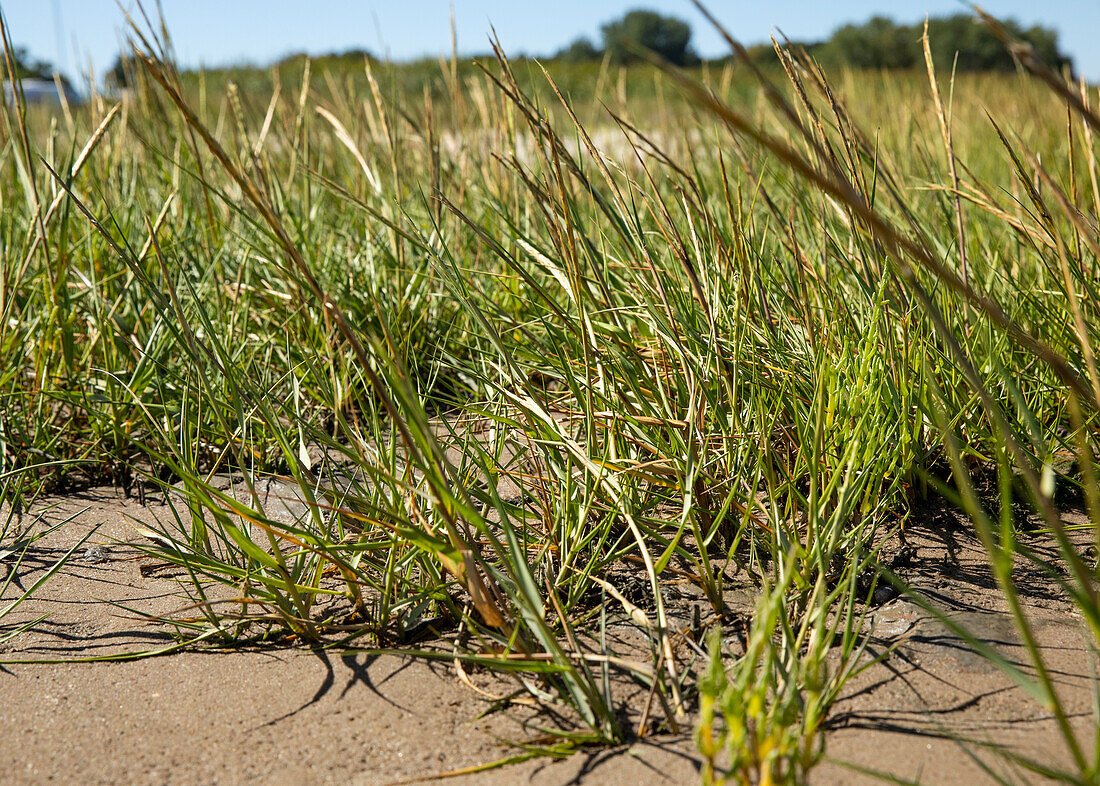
{"x":507,"y":343}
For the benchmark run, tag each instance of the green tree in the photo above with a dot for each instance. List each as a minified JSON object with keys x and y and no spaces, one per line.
{"x":121,"y":73}
{"x":667,"y":36}
{"x":979,"y":50}
{"x":27,"y":67}
{"x":955,"y":41}
{"x":878,"y":43}
{"x":580,"y":51}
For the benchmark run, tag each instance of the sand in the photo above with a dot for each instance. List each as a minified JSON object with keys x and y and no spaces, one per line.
{"x":292,"y":715}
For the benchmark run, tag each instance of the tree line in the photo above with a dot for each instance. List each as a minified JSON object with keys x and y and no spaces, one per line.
{"x":958,"y":41}
{"x":28,"y":67}
{"x":879,"y":43}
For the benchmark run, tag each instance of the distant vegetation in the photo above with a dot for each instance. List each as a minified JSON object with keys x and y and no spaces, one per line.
{"x":28,"y":67}
{"x":881,"y":43}
{"x":877,"y":43}
{"x":121,"y":72}
{"x":625,"y":39}
{"x":334,"y":60}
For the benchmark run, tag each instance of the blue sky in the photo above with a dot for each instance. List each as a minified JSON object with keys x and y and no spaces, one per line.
{"x":74,"y":33}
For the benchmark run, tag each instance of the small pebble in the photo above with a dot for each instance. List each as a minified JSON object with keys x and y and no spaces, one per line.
{"x":96,"y":554}
{"x":884,"y":593}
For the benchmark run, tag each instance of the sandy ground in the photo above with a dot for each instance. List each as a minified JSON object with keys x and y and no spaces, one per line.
{"x":298,"y":716}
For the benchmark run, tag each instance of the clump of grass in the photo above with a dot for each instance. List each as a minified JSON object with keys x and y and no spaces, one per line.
{"x":502,"y":353}
{"x":763,"y":734}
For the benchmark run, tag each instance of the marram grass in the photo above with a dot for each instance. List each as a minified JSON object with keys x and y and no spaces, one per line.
{"x":505,"y":340}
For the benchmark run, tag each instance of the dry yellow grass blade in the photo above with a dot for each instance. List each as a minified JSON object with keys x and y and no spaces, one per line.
{"x":345,"y":138}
